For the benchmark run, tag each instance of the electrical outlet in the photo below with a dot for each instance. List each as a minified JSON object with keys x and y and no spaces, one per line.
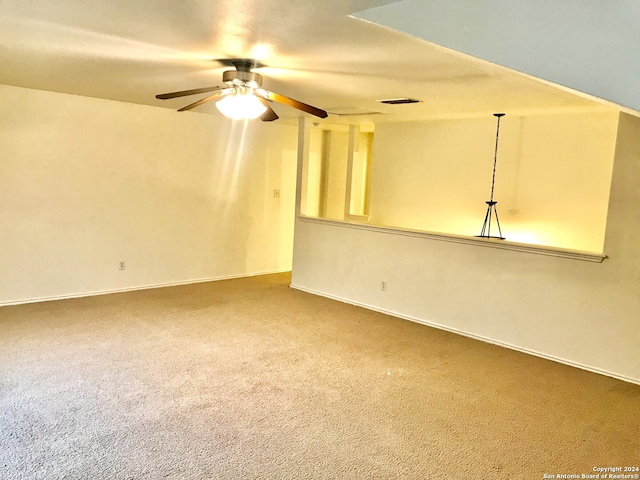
{"x":383,"y":286}
{"x":123,"y":265}
{"x":276,"y":193}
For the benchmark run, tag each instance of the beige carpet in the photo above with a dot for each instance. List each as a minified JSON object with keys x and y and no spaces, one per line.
{"x":248,"y":379}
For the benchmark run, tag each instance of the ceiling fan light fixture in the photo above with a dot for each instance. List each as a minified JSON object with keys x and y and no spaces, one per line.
{"x":247,"y":99}
{"x":241,"y":106}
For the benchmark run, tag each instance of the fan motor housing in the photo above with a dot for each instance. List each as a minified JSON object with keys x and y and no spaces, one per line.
{"x":242,"y":78}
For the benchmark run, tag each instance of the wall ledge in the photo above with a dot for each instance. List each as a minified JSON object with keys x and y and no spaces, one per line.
{"x":479,"y":242}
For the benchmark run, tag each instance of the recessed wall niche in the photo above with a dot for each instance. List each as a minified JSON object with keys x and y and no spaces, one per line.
{"x":552,"y":182}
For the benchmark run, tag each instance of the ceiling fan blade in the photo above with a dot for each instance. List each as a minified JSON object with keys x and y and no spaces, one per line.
{"x":219,"y":93}
{"x":269,"y":115}
{"x":184,"y":93}
{"x":276,"y":97}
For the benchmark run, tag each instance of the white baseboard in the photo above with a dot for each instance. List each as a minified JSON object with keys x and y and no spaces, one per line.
{"x":473,"y":336}
{"x":138,"y":287}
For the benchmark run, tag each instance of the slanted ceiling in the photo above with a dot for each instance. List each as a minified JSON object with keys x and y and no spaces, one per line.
{"x":314,"y":51}
{"x":589,"y":46}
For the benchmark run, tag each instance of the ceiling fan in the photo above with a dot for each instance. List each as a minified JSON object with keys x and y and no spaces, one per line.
{"x":243,"y":96}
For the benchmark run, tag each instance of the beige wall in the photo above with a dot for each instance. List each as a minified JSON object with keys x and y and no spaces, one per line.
{"x":581,"y":313}
{"x":87,"y":183}
{"x":337,"y":150}
{"x":552,"y":179}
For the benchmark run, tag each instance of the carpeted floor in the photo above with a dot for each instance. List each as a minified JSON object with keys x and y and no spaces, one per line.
{"x":249,"y":379}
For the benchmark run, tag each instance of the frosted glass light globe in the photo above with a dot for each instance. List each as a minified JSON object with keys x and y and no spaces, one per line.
{"x":240,"y":106}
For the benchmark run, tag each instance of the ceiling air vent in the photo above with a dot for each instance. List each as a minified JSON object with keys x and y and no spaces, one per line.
{"x":399,"y":101}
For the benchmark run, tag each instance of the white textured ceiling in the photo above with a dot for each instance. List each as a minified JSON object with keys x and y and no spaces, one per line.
{"x":131,"y":50}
